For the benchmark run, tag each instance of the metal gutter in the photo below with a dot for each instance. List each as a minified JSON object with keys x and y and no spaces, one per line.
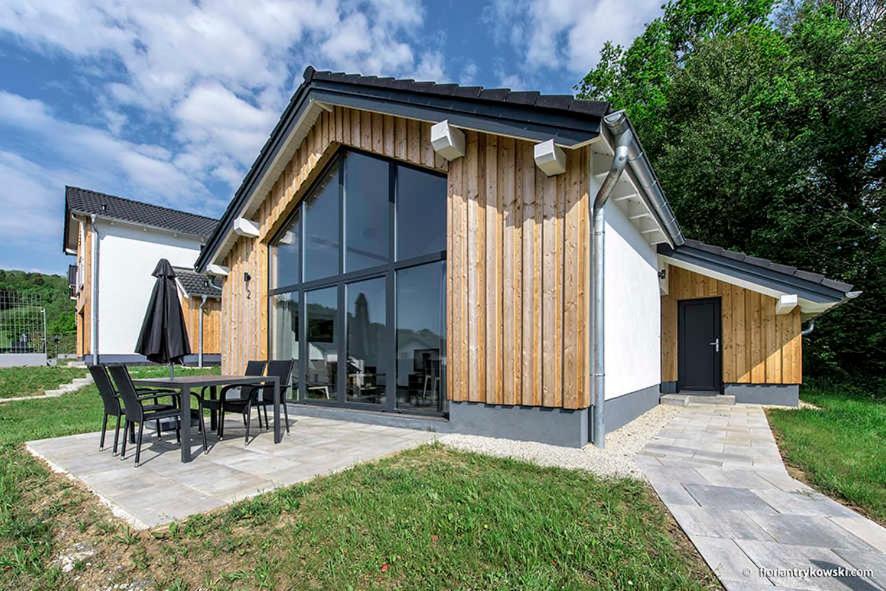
{"x":93,"y":294}
{"x":200,"y":329}
{"x":623,"y":140}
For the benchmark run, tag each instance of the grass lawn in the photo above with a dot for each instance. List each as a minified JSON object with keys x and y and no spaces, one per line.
{"x":839,"y":448}
{"x":430,"y":518}
{"x":32,"y":381}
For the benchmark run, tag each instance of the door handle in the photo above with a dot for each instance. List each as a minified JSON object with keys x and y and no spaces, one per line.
{"x":716,"y":344}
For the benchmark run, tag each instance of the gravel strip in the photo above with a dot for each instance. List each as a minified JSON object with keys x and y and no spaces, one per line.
{"x":617,"y":459}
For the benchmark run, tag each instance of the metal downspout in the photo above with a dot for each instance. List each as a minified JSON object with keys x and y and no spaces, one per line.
{"x":617,"y":124}
{"x":93,"y":294}
{"x":200,"y":330}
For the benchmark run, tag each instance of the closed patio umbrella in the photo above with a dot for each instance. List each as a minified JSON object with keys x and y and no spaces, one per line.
{"x":164,"y":337}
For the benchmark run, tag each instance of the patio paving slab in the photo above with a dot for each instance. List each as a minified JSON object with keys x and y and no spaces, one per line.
{"x":162,"y":489}
{"x":755,"y":526}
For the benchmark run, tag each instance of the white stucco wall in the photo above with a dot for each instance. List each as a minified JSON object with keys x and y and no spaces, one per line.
{"x":127,"y":256}
{"x":632,"y":304}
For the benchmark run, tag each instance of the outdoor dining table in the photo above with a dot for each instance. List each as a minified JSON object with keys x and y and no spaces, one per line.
{"x":184,"y":385}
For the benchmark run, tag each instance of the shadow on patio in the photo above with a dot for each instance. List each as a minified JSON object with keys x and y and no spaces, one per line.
{"x":163,"y":489}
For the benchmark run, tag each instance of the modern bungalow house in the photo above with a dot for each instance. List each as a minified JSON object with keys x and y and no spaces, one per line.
{"x":117,"y":243}
{"x":505,"y":261}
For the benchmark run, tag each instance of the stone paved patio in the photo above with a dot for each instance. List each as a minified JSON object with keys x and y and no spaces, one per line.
{"x":718,"y":470}
{"x":163,"y":489}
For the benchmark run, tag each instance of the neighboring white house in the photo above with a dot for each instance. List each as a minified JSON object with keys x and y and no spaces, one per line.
{"x":117,"y":243}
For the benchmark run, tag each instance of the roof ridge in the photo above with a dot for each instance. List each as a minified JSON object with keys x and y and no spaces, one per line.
{"x":129,"y":200}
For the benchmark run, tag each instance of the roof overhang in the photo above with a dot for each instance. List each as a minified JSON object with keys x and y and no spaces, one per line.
{"x":526,"y":122}
{"x":637,"y":192}
{"x":812,"y":298}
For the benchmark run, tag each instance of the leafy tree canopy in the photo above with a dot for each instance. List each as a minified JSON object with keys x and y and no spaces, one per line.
{"x":766,"y":123}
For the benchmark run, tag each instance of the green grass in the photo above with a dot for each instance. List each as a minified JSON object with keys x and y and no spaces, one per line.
{"x":431,"y":518}
{"x":840,"y":447}
{"x":32,"y":381}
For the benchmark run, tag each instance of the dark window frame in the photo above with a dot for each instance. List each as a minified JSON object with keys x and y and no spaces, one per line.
{"x":386,"y":271}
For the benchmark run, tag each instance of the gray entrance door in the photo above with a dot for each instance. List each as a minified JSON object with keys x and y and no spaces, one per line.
{"x":700,"y":342}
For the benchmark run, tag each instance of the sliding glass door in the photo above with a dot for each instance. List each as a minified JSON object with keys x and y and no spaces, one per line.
{"x":362,"y":262}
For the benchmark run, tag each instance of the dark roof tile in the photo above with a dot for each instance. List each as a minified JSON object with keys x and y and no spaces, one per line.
{"x":196,"y":284}
{"x":564,"y":102}
{"x":769,"y":265}
{"x":84,"y":201}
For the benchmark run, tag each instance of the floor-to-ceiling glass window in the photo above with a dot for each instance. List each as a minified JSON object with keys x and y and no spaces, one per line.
{"x":321,"y":319}
{"x":421,"y":338}
{"x":322,"y":231}
{"x":357,"y":287}
{"x":367,"y":347}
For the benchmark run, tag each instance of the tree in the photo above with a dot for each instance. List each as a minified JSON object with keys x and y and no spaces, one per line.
{"x":771,"y":121}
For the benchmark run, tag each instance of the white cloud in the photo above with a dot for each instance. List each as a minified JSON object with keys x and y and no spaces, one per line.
{"x":552,"y":34}
{"x":468,"y":73}
{"x":29,"y":190}
{"x":218,"y":72}
{"x":430,"y":67}
{"x":94,"y":157}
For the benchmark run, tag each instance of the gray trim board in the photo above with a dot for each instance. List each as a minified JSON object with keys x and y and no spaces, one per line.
{"x":777,"y":394}
{"x":387,"y":419}
{"x":622,"y":410}
{"x":668,"y":388}
{"x":554,"y":426}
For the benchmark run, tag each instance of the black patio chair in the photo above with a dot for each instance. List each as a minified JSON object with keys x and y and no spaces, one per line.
{"x":283,"y":370}
{"x":253,"y":368}
{"x":111,"y":403}
{"x":135,"y":411}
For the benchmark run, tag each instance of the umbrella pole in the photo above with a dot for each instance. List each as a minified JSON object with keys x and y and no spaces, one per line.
{"x":171,"y":371}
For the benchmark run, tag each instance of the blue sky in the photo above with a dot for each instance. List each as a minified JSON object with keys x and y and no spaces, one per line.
{"x":169,"y":101}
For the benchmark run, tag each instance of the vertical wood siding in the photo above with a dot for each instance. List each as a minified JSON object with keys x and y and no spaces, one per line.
{"x":244,"y":317}
{"x":84,"y":298}
{"x":211,"y":324}
{"x":517,"y":260}
{"x":517,"y":266}
{"x":759,"y":346}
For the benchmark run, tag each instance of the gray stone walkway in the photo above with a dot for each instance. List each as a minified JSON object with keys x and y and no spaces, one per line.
{"x":718,"y":470}
{"x":163,"y":489}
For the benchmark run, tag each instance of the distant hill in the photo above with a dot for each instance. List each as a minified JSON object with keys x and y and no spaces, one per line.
{"x":52,"y":292}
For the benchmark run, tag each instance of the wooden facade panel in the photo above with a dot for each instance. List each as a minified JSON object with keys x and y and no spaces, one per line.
{"x":517,"y":260}
{"x":493,"y":272}
{"x":758,"y":346}
{"x":84,"y":298}
{"x":211,"y":324}
{"x":523,"y":271}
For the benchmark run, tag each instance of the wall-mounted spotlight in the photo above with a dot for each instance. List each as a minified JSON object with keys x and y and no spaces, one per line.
{"x":246,"y":279}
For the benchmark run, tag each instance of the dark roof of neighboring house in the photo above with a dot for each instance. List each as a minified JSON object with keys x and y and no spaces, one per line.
{"x":529,"y":115}
{"x":86,"y":202}
{"x":196,"y":284}
{"x":759,"y":270}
